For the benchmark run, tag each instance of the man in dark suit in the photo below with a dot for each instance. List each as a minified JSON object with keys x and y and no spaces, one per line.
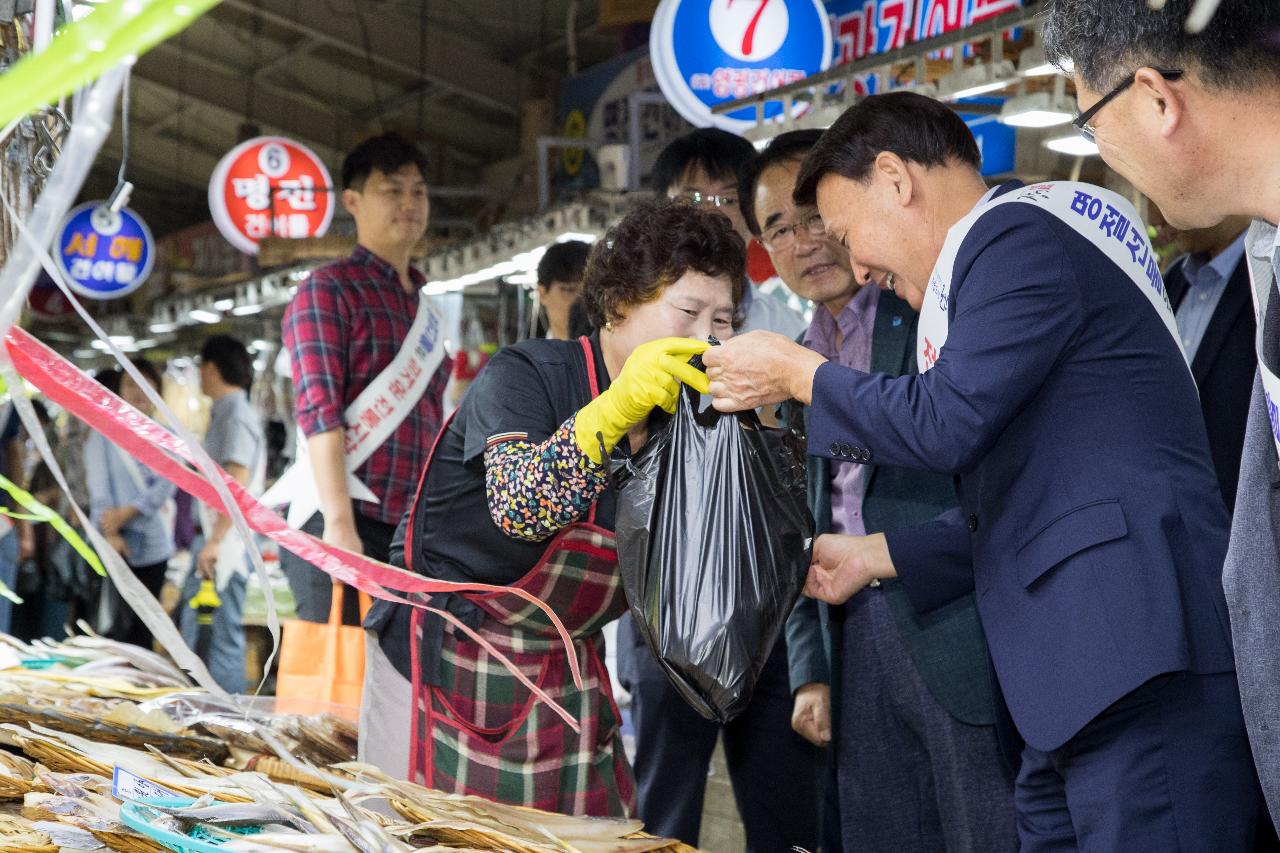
{"x":917,"y":764}
{"x":1209,"y":290}
{"x":1183,"y":100}
{"x":1089,"y":524}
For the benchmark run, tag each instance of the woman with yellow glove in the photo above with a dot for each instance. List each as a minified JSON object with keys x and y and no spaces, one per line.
{"x":515,"y":493}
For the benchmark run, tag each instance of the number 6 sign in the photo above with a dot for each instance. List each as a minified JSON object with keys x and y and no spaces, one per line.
{"x":270,"y":186}
{"x":706,"y":52}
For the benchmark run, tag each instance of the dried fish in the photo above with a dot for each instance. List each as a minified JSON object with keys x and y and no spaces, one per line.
{"x":273,"y":842}
{"x":67,"y":837}
{"x":17,"y":837}
{"x":238,"y":814}
{"x":142,"y":659}
{"x":367,"y":837}
{"x":277,"y":782}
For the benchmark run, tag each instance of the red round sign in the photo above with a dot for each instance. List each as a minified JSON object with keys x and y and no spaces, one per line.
{"x":270,"y":186}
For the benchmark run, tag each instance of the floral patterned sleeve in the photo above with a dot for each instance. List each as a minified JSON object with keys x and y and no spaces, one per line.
{"x":535,"y":490}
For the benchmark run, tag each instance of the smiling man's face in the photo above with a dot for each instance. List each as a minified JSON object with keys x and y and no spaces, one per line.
{"x":813,"y":267}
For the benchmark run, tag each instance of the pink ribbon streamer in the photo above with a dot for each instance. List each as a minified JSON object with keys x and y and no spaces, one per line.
{"x":151,"y":444}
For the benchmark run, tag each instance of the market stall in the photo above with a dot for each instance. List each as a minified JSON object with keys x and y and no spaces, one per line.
{"x":109,"y":746}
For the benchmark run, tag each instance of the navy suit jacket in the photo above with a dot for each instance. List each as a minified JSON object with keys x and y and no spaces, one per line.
{"x":1224,"y":367}
{"x":1090,"y":524}
{"x":946,"y":645}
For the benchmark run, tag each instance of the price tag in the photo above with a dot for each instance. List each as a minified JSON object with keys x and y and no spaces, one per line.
{"x":131,"y":786}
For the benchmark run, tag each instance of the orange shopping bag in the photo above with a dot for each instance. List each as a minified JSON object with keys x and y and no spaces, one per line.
{"x":322,"y":664}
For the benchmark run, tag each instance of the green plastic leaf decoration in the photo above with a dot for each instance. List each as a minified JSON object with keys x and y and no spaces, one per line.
{"x":37,"y":511}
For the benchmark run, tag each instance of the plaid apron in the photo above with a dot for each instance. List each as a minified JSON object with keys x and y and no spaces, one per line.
{"x":484,"y":733}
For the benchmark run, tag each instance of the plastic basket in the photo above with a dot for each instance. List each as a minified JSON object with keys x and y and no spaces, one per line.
{"x":139,"y":816}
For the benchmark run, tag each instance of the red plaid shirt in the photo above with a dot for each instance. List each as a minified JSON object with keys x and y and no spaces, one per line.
{"x":345,"y":324}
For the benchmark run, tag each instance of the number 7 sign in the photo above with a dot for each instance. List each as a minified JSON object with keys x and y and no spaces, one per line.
{"x":736,"y":24}
{"x":705,"y":52}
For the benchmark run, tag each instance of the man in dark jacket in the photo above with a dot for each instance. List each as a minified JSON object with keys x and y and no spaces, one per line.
{"x":1209,"y":289}
{"x":917,"y":764}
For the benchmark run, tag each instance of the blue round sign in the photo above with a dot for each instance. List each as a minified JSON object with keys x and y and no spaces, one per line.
{"x":103,"y":254}
{"x":707,"y":52}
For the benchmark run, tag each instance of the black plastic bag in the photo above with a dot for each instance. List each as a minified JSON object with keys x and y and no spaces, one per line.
{"x":713,"y":535}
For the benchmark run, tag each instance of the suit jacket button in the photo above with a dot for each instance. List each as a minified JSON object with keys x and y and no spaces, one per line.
{"x":845,"y":450}
{"x":973,"y":523}
{"x":835,"y":448}
{"x":866,"y":455}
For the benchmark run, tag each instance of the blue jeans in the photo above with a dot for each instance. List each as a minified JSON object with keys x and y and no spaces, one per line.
{"x":226,"y":652}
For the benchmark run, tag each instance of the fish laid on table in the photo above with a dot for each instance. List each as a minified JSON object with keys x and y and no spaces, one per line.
{"x":18,"y":837}
{"x":142,"y":659}
{"x":207,"y":811}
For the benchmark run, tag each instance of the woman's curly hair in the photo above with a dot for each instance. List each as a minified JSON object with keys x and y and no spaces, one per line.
{"x":651,"y":248}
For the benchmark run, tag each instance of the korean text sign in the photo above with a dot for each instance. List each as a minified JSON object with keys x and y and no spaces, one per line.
{"x":270,"y":186}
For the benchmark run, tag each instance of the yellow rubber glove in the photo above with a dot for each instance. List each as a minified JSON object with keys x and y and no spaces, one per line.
{"x":650,"y":379}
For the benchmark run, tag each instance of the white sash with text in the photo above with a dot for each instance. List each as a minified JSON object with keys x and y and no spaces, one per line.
{"x":1102,"y":217}
{"x":371,"y":418}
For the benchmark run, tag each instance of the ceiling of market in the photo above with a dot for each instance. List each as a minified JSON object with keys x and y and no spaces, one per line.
{"x":453,"y":73}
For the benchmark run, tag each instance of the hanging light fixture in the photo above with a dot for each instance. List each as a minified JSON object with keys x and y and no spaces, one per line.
{"x":974,"y":80}
{"x":1039,"y":109}
{"x":1033,"y":63}
{"x":1072,"y":144}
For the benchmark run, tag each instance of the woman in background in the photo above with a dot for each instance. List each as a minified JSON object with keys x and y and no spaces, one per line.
{"x":133,"y":508}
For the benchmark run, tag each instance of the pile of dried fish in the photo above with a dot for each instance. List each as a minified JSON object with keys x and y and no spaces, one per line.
{"x":18,"y":776}
{"x":97,"y":659}
{"x":111,"y":722}
{"x":155,"y":799}
{"x":19,"y":837}
{"x":318,"y":739}
{"x":117,"y":693}
{"x":108,"y":744}
{"x":477,"y":823}
{"x":88,"y":811}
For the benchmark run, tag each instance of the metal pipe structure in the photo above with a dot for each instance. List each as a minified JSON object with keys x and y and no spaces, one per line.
{"x":635,"y":101}
{"x":881,"y":61}
{"x":42,"y":31}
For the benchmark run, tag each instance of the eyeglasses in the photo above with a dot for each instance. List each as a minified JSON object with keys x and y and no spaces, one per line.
{"x":782,"y":236}
{"x":698,"y":199}
{"x":1082,"y":121}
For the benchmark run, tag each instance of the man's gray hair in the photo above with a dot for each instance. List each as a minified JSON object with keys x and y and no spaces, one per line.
{"x":1108,"y":40}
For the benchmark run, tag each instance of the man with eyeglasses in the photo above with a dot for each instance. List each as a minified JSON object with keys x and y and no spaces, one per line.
{"x":916,"y":763}
{"x":1183,"y":99}
{"x":674,"y":744}
{"x":703,"y":168}
{"x":1053,"y":385}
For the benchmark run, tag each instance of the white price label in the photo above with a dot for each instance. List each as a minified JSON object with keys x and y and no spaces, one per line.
{"x":131,"y":786}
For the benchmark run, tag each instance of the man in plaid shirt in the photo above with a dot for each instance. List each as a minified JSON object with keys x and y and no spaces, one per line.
{"x":347,"y":322}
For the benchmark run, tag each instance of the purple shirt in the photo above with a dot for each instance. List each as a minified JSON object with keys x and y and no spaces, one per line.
{"x":855,"y":325}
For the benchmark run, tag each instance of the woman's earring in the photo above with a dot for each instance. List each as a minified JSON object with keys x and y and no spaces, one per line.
{"x":608,"y":326}
{"x":891,"y":284}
